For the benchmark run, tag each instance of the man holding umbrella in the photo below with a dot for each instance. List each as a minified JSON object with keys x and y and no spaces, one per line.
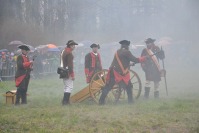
{"x":22,"y":76}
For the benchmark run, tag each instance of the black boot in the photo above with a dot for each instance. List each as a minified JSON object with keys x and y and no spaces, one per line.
{"x":18,"y":95}
{"x":102,"y":97}
{"x":130,"y":99}
{"x":130,"y":95}
{"x":146,"y":93}
{"x":66,"y":99}
{"x":23,"y":97}
{"x":156,"y":94}
{"x":102,"y":100}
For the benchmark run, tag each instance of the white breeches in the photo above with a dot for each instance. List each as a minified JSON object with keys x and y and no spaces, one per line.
{"x":156,"y":85}
{"x":68,"y":85}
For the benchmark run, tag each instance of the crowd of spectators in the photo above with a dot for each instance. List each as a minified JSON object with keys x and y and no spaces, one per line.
{"x":44,"y":63}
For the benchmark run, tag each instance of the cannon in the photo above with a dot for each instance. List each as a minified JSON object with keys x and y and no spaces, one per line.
{"x":98,"y":81}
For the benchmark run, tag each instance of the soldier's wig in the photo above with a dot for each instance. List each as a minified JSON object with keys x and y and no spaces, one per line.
{"x":125,"y":47}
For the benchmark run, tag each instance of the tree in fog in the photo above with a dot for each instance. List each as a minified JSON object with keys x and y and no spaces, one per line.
{"x":44,"y":21}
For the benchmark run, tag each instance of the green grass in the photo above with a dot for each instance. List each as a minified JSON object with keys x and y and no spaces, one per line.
{"x":176,"y":113}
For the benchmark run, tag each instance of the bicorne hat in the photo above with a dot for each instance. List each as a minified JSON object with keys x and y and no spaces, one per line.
{"x":149,"y":40}
{"x":24,"y":47}
{"x":71,"y":42}
{"x":95,"y":45}
{"x":125,"y":42}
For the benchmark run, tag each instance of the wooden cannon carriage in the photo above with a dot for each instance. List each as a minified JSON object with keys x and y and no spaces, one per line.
{"x":98,"y":81}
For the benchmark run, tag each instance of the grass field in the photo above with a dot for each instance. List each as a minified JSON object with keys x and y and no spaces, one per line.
{"x":176,"y":113}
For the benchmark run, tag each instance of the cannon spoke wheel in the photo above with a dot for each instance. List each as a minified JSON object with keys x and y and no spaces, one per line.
{"x":120,"y":94}
{"x":137,"y":84}
{"x":98,"y":81}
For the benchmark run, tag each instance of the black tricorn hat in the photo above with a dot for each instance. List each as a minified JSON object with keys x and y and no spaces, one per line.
{"x":149,"y":40}
{"x":71,"y":42}
{"x":125,"y":42}
{"x":95,"y":45}
{"x":24,"y":47}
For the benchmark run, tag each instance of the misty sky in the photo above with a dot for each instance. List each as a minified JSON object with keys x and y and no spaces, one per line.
{"x":105,"y":22}
{"x":139,"y":19}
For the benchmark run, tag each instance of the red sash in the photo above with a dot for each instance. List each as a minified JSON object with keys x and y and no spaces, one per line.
{"x":118,"y":77}
{"x":19,"y":79}
{"x":26,"y":65}
{"x":124,"y":71}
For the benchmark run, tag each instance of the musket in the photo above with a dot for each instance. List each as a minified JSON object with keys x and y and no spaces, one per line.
{"x":165,"y":79}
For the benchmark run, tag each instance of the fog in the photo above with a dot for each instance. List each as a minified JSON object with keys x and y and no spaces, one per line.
{"x":174,"y":25}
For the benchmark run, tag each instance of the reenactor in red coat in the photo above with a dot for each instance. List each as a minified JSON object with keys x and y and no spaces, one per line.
{"x":119,"y":72}
{"x":92,"y":62}
{"x":67,"y":64}
{"x":22,"y":76}
{"x":151,"y":67}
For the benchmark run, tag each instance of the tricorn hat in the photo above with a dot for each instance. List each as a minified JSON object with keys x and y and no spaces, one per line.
{"x":24,"y":47}
{"x":125,"y":42}
{"x":149,"y":40}
{"x":71,"y":42}
{"x":95,"y":45}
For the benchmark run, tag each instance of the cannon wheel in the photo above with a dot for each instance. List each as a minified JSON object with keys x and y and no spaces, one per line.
{"x":99,"y":80}
{"x":120,"y":94}
{"x":137,"y":84}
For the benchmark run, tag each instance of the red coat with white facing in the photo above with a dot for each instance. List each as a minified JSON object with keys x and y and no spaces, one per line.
{"x":92,"y":65}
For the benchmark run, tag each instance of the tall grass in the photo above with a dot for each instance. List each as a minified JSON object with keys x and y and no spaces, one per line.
{"x":176,"y":113}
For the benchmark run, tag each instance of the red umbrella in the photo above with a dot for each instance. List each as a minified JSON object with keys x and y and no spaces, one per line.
{"x":51,"y":46}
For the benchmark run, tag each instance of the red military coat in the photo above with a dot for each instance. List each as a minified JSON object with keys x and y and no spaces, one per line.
{"x":125,"y":57}
{"x":23,"y":69}
{"x":67,"y":61}
{"x":92,"y":65}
